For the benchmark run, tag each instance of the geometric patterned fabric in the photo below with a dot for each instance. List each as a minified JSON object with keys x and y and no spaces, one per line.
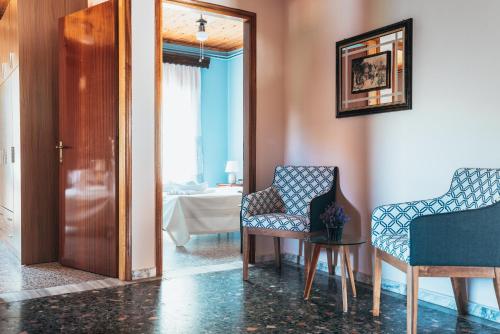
{"x":285,"y":205}
{"x":471,"y":188}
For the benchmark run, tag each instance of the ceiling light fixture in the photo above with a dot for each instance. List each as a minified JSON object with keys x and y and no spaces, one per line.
{"x":201,"y":36}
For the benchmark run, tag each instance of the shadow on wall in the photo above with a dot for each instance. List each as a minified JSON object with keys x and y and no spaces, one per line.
{"x":354,"y":227}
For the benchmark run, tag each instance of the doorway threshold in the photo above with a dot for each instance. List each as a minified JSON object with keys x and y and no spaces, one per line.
{"x":16,"y":296}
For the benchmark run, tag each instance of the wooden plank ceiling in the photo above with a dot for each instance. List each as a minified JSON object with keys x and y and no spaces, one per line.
{"x":3,"y":7}
{"x":180,"y":27}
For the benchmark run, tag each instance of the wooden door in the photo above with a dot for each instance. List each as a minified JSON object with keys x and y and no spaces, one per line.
{"x":88,"y":120}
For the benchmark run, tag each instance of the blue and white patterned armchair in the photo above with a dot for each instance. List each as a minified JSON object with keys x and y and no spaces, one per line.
{"x":458,"y":230}
{"x":290,"y":207}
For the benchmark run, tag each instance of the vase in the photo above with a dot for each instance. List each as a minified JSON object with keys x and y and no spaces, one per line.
{"x":335,"y":233}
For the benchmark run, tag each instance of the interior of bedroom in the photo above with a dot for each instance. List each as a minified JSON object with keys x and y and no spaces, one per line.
{"x":202,"y":137}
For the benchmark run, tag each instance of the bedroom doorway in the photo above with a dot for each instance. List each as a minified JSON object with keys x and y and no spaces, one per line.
{"x":205,"y":133}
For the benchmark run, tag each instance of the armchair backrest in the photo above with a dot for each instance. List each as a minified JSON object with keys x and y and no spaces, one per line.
{"x":298,"y":185}
{"x":473,"y":188}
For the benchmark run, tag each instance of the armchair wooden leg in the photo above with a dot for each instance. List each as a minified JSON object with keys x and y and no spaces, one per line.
{"x":246,"y":253}
{"x":301,"y":250}
{"x":330,"y":261}
{"x":411,"y":299}
{"x":277,"y":251}
{"x":496,"y":283}
{"x":460,"y":292}
{"x":377,"y":283}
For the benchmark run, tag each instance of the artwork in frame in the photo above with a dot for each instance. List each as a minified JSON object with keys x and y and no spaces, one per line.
{"x":374,"y":71}
{"x":371,"y":72}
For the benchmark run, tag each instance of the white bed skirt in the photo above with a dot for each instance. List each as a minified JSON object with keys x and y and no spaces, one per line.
{"x":208,"y":213}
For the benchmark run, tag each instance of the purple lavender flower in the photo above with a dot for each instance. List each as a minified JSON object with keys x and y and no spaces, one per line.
{"x":334,"y":216}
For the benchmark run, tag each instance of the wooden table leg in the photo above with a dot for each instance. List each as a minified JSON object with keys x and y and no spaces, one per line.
{"x":349,"y":269}
{"x":312,"y":271}
{"x":330,"y":261}
{"x":343,"y":278}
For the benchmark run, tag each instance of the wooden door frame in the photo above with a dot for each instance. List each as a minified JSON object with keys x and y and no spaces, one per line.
{"x":124,"y":28}
{"x":250,"y":108}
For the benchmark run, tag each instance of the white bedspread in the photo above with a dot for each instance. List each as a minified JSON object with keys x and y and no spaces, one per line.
{"x":217,"y":211}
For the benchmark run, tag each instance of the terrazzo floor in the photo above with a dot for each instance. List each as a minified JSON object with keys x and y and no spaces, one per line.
{"x":26,"y":282}
{"x":201,"y":250}
{"x":220,"y":302}
{"x":14,"y":277}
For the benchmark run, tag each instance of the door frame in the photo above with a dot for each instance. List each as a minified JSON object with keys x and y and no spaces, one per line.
{"x":249,"y":109}
{"x":124,"y":72}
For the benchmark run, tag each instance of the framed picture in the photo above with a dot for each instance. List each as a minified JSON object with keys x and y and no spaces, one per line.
{"x":371,"y":73}
{"x":374,"y":71}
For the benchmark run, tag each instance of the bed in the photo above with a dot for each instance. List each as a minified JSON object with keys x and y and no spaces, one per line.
{"x":217,"y":210}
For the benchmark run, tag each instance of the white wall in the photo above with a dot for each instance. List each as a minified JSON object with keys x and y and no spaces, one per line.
{"x":270,"y":116}
{"x":405,"y":155}
{"x":143,"y":129}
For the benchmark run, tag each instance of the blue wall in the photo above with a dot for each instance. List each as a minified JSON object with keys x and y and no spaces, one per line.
{"x":222,"y":116}
{"x":235,"y":111}
{"x":214,"y":120}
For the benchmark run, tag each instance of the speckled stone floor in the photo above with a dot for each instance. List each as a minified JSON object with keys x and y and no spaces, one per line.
{"x":219,"y":302}
{"x":14,"y":277}
{"x":201,"y":250}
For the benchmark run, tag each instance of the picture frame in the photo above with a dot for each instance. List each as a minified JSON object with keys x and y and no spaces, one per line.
{"x":374,"y":71}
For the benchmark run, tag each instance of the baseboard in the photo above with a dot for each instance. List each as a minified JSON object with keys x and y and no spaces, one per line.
{"x":477,"y":310}
{"x":143,"y":273}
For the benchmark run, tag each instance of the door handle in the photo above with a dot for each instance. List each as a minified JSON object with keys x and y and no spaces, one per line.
{"x":60,"y":147}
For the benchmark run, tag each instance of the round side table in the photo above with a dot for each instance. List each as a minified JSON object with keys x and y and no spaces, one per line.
{"x":321,"y":241}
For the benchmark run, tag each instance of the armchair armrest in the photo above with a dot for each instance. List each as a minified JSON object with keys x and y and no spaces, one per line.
{"x":395,"y":218}
{"x":462,"y":238}
{"x":261,"y":202}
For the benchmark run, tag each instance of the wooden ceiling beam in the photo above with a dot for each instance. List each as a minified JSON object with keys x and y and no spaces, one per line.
{"x":197,"y":45}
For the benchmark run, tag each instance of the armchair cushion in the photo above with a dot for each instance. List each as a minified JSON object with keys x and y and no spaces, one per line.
{"x":394,"y":244}
{"x":471,"y":188}
{"x":279,"y":221}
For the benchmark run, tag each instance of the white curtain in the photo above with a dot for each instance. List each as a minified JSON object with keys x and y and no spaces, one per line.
{"x":181,"y":122}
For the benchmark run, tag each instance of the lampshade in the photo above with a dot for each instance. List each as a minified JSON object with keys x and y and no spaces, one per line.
{"x":201,"y":36}
{"x":232,"y":167}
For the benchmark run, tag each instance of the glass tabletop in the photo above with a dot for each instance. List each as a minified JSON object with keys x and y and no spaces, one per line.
{"x":346,"y":240}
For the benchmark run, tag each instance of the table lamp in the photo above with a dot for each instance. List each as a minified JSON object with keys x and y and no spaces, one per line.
{"x":232,"y":167}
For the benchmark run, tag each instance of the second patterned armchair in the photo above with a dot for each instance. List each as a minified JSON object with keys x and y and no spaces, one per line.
{"x":455,"y":235}
{"x":289,"y":208}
